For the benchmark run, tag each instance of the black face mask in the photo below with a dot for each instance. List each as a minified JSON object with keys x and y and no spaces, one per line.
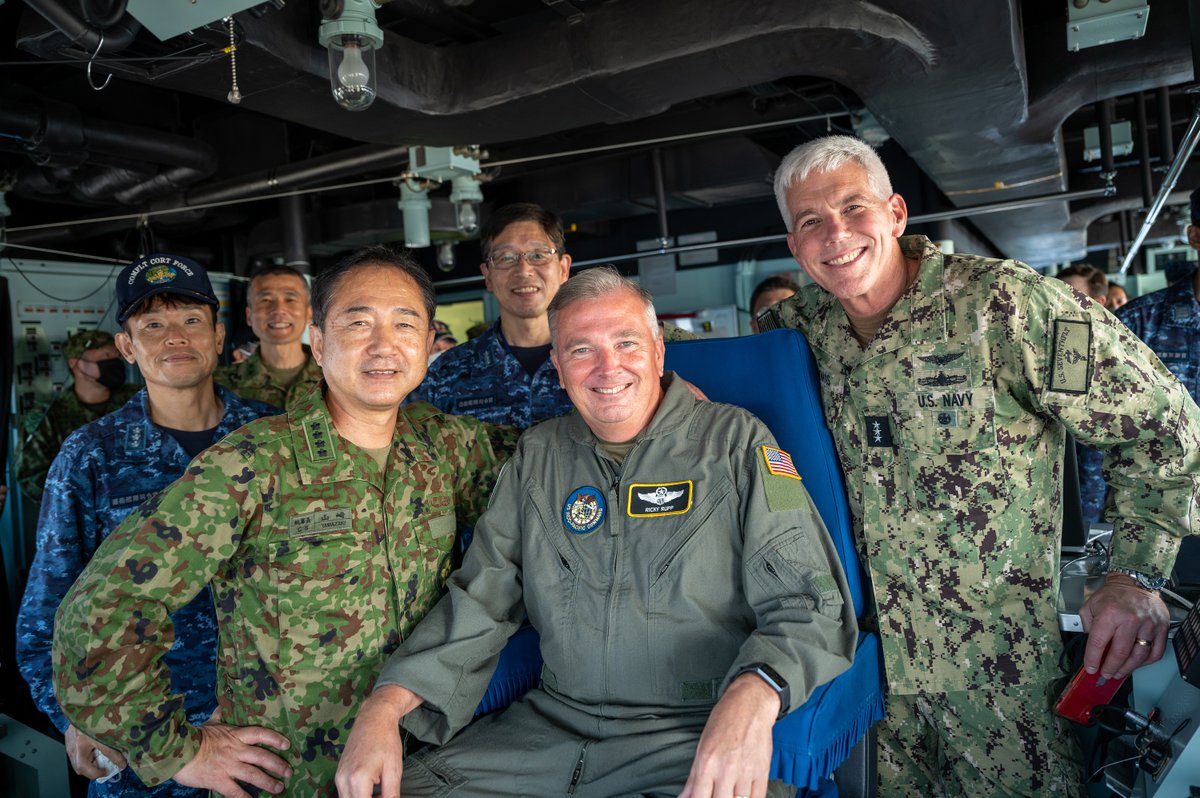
{"x":112,"y":373}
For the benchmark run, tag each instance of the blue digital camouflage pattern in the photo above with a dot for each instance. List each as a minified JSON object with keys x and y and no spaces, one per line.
{"x":103,"y":472}
{"x":481,"y":378}
{"x":1167,"y":321}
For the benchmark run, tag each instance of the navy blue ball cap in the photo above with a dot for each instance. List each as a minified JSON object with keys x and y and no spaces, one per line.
{"x":161,"y":274}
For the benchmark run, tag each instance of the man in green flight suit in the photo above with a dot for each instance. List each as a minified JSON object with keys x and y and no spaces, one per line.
{"x":325,"y":534}
{"x":684,"y":589}
{"x":949,"y":382}
{"x":282,"y":370}
{"x":98,"y":388}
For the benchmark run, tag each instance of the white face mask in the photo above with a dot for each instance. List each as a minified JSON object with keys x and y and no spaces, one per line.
{"x":432,"y":358}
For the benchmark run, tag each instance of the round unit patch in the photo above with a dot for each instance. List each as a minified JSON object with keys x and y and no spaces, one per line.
{"x":584,"y":510}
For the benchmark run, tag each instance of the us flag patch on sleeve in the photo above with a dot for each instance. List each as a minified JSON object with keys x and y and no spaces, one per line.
{"x":779,"y":462}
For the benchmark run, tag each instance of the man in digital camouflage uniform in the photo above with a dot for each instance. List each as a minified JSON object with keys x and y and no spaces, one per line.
{"x":282,"y":370}
{"x":325,"y":536}
{"x":1167,"y":321}
{"x":948,"y":382}
{"x":108,"y":467}
{"x":505,"y":376}
{"x":685,"y":591}
{"x":97,"y":388}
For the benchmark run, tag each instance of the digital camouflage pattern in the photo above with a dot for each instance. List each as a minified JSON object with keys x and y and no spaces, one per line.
{"x":46,"y":427}
{"x":950,"y":431}
{"x":1167,"y":321}
{"x":652,"y":584}
{"x":253,"y":380}
{"x":320,"y":562}
{"x":104,"y":471}
{"x":927,"y":745}
{"x":481,"y":378}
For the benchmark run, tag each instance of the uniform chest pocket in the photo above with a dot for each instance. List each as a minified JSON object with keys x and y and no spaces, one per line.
{"x":947,"y":443}
{"x":328,"y":598}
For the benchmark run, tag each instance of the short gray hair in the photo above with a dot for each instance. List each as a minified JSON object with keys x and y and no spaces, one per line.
{"x":594,"y":284}
{"x":825,"y":155}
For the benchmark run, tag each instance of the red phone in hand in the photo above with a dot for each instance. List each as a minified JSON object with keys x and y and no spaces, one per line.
{"x":1085,"y":692}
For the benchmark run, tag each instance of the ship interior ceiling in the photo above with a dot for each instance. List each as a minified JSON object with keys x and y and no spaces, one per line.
{"x":595,"y":108}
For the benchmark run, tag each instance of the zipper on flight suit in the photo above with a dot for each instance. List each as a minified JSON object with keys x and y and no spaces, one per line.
{"x":577,"y":773}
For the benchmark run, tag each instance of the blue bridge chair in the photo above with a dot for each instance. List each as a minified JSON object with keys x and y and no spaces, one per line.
{"x":772,"y":375}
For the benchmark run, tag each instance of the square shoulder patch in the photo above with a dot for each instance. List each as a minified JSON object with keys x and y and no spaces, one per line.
{"x":1071,"y":356}
{"x":781,"y":481}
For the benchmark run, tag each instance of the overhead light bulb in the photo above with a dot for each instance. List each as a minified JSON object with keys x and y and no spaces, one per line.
{"x":468,"y":219}
{"x":466,"y":195}
{"x":351,"y":38}
{"x":445,"y":258}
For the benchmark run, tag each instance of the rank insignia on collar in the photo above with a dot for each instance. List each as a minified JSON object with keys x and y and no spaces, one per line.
{"x":584,"y":510}
{"x":659,"y":498}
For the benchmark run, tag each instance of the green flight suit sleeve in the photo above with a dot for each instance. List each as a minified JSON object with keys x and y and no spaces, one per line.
{"x":114,"y":626}
{"x":793,"y":580}
{"x":1086,"y":369}
{"x":450,"y":656}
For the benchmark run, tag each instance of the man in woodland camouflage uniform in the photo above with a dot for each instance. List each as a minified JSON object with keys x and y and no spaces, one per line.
{"x":325,"y":534}
{"x":948,"y":382}
{"x":282,"y":370}
{"x":98,"y":388}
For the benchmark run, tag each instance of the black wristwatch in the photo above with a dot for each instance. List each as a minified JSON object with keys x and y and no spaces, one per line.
{"x":774,"y":681}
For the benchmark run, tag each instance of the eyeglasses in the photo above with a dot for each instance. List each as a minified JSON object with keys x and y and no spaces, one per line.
{"x":510,"y":258}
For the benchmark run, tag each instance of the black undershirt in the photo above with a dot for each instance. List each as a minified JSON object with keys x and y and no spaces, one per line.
{"x":531,"y":358}
{"x":193,"y":442}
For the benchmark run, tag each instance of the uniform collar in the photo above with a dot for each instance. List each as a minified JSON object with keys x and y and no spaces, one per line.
{"x":919,"y":315}
{"x":256,"y":374}
{"x":323,"y":455}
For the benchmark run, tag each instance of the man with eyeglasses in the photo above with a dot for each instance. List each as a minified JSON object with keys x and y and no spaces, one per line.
{"x":505,"y":376}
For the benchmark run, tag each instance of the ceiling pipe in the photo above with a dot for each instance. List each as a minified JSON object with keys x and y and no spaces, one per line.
{"x":1108,"y":171}
{"x":92,"y":40}
{"x":1166,"y":139}
{"x":291,"y":225}
{"x":1172,"y":177}
{"x":660,"y":196}
{"x":1143,"y":145}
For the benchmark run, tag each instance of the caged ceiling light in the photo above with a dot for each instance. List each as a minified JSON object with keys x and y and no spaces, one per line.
{"x":349,"y":32}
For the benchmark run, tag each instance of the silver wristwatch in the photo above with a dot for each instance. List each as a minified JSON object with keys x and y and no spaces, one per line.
{"x":1143,"y":581}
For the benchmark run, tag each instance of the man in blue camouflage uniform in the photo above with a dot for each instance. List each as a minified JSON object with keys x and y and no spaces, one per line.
{"x":949,"y":382}
{"x":107,"y":468}
{"x":1167,"y":321}
{"x":505,"y":376}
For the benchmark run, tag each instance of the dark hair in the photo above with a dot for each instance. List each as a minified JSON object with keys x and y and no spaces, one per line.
{"x":772,"y":283}
{"x":327,"y":280}
{"x":1097,"y":283}
{"x":1194,"y":203}
{"x":501,"y":218}
{"x":156,"y":301}
{"x":273,"y":268}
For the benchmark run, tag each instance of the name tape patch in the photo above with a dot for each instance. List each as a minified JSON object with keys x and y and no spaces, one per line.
{"x":659,"y":498}
{"x":1071,"y":356}
{"x":320,"y":522}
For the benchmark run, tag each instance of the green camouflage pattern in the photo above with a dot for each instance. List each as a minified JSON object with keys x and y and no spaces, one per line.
{"x":251,"y":379}
{"x":46,"y":427}
{"x":950,"y":430}
{"x":80,"y":341}
{"x":320,"y":563}
{"x":981,"y":743}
